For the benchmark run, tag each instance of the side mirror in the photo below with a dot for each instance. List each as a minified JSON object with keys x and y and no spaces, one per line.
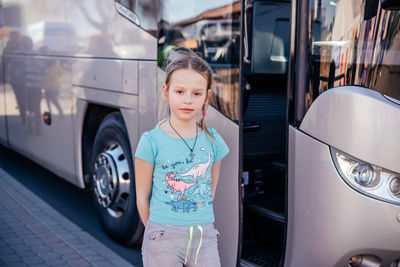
{"x":371,"y":9}
{"x":390,"y":4}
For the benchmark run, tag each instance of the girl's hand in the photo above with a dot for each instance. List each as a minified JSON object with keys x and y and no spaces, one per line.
{"x":216,"y":167}
{"x":144,"y":182}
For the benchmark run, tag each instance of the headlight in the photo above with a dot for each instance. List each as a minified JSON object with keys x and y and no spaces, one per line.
{"x":366,"y":178}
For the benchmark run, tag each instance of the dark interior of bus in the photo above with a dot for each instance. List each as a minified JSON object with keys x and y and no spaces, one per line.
{"x":264,"y":131}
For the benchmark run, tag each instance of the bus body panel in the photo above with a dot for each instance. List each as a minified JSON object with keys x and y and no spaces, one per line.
{"x":148,"y":100}
{"x":27,"y":100}
{"x":359,"y":122}
{"x":81,"y":28}
{"x":227,"y":196}
{"x":98,"y":73}
{"x":80,"y":108}
{"x":324,"y":227}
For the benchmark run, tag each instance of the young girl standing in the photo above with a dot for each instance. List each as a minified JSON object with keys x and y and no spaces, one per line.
{"x":177,"y":167}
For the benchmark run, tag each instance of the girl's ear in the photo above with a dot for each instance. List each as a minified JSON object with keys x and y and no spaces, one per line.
{"x":165,"y":92}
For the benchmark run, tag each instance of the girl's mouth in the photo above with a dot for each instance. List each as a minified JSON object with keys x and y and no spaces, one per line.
{"x":186,"y":110}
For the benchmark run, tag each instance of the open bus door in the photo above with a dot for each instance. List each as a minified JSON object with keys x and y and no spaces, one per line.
{"x":264,"y":74}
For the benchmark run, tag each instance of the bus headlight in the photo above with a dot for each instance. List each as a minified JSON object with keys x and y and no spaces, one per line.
{"x":362,"y":173}
{"x":366,"y":178}
{"x":395,"y":187}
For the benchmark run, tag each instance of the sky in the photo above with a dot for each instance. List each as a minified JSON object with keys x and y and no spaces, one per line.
{"x":184,"y":9}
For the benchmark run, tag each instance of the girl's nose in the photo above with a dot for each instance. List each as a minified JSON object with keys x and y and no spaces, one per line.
{"x":188,"y":99}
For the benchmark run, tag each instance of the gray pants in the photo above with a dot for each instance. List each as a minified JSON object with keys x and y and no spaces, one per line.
{"x":173,"y":246}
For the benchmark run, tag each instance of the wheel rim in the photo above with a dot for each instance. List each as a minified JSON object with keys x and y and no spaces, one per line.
{"x":111,"y":181}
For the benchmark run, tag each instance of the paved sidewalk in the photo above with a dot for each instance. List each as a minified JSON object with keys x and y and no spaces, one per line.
{"x":32,"y":233}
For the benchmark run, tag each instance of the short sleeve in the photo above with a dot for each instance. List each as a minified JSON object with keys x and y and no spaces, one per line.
{"x":221,"y":148}
{"x":145,"y":149}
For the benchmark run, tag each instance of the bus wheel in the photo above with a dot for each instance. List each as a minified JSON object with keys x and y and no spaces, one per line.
{"x":113,"y":182}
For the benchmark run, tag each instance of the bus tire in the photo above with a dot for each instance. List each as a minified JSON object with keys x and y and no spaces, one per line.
{"x":113,"y":183}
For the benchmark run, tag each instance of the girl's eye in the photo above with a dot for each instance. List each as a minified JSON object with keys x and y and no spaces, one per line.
{"x":179,"y":91}
{"x":197,"y":94}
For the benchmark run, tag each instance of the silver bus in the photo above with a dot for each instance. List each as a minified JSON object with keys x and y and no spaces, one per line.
{"x":304,"y":92}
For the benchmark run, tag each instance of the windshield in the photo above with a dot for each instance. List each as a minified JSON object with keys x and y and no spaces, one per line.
{"x":353,"y":43}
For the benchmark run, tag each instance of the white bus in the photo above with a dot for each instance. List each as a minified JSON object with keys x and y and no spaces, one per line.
{"x":304,"y":92}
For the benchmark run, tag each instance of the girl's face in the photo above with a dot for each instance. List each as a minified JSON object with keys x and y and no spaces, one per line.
{"x":187,"y":94}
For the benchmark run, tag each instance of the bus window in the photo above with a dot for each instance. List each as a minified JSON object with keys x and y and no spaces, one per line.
{"x":213,"y":31}
{"x":349,"y":46}
{"x":270,"y":38}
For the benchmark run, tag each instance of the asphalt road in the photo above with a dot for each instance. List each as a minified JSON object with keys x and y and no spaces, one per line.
{"x":71,"y":201}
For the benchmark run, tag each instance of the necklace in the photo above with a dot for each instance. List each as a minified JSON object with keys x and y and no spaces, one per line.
{"x":195,"y":140}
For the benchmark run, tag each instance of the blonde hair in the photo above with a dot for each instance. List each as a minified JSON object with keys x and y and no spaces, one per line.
{"x":184,"y":58}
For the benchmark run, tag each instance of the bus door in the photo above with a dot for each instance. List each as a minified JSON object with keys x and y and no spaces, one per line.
{"x":264,"y":93}
{"x":344,"y":122}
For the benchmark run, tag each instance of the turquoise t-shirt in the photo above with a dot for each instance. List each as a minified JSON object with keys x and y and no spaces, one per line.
{"x":181,"y":192}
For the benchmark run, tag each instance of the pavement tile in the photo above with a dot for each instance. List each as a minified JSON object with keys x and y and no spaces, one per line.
{"x":31,"y":237}
{"x":75,"y":242}
{"x":56,"y":262}
{"x":41,"y":248}
{"x":25,"y":252}
{"x":92,"y":258}
{"x":38,"y":265}
{"x":26,"y":234}
{"x":17,"y":226}
{"x":73,"y":256}
{"x":58,"y":244}
{"x":64,"y":250}
{"x":16,"y":240}
{"x":49,"y":255}
{"x":101,"y":263}
{"x":6,"y":250}
{"x":78,"y":262}
{"x":34,"y":242}
{"x":10,"y":257}
{"x":50,"y":239}
{"x":88,"y":252}
{"x":42,"y":231}
{"x":32,"y":259}
{"x":21,"y":230}
{"x":9,"y":235}
{"x":20,"y":248}
{"x":17,"y":264}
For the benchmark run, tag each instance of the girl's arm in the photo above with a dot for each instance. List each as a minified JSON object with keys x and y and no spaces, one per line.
{"x":144,"y":181}
{"x":216,"y":167}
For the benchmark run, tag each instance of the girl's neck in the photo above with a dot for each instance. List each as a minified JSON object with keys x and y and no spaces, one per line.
{"x":183,"y":126}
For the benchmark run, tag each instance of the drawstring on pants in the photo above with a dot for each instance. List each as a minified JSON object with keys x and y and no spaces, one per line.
{"x":201,"y":241}
{"x":190,"y":241}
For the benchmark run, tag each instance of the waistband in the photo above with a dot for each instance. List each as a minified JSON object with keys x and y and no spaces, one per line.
{"x":189,"y":229}
{"x":181,"y":228}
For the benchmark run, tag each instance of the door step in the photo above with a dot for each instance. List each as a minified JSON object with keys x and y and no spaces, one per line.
{"x":267,"y":214}
{"x":246,"y":263}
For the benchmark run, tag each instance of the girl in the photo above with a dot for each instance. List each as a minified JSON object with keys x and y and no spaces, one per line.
{"x":177,"y":167}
